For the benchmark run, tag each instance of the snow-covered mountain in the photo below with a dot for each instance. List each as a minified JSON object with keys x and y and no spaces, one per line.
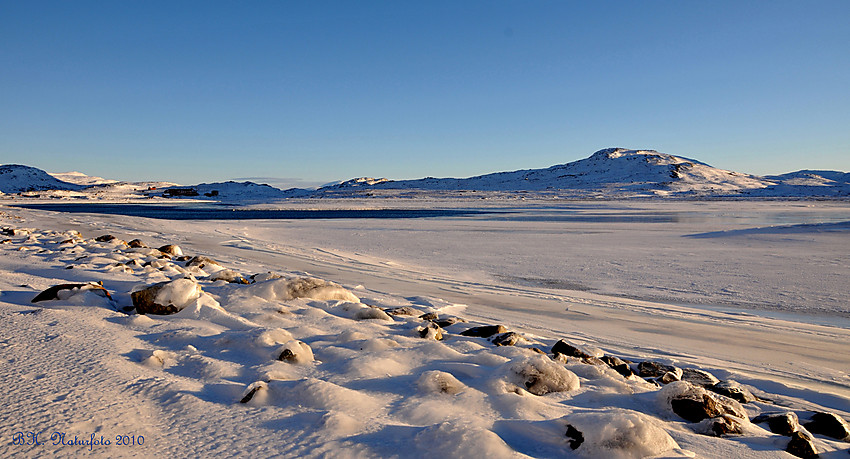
{"x":612,"y":171}
{"x":81,"y":179}
{"x":16,"y":178}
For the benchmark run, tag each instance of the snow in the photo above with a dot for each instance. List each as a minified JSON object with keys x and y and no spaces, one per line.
{"x":310,"y":338}
{"x":330,"y":372}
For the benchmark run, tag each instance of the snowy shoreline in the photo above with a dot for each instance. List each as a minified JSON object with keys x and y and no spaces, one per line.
{"x":368,"y":392}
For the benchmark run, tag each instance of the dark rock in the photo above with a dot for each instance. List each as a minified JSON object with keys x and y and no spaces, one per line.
{"x":733,"y":390}
{"x":172,"y":250}
{"x":779,"y":423}
{"x":696,"y":408}
{"x":722,"y":426}
{"x":287,"y":356}
{"x":619,"y":365}
{"x":144,"y":301}
{"x":567,"y":349}
{"x":105,"y":238}
{"x":52,"y":293}
{"x":447,"y":321}
{"x":802,"y":445}
{"x":507,"y":339}
{"x":137,"y":244}
{"x":699,"y":377}
{"x":829,"y":424}
{"x":430,"y":331}
{"x":200,"y":261}
{"x":402,"y":311}
{"x":593,"y":361}
{"x":485,"y":331}
{"x":649,"y":369}
{"x":429,"y":316}
{"x":576,"y":437}
{"x":252,"y":391}
{"x":6,"y":241}
{"x":669,"y":377}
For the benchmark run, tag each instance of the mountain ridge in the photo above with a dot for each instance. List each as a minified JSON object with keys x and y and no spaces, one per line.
{"x":610,"y":172}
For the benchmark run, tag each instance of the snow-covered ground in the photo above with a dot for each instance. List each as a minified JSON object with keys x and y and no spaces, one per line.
{"x":753,"y":292}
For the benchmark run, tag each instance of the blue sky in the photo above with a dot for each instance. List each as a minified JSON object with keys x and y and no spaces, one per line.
{"x":319,"y":91}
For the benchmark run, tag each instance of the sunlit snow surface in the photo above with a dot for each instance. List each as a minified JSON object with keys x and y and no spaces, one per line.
{"x":750,"y":291}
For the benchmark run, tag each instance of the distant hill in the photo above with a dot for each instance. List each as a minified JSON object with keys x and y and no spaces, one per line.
{"x":15,"y":178}
{"x":620,"y":172}
{"x":612,"y":172}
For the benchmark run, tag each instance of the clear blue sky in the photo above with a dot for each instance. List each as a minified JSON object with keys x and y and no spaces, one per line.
{"x":319,"y":91}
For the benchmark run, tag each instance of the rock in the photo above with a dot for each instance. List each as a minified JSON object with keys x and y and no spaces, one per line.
{"x":507,"y":339}
{"x":402,"y":311}
{"x":694,"y":403}
{"x":429,"y":316}
{"x":539,"y":375}
{"x":137,"y":244}
{"x":200,"y":261}
{"x":695,"y":409}
{"x":699,"y":377}
{"x":576,"y":438}
{"x":295,"y":352}
{"x":567,"y":349}
{"x":172,"y":250}
{"x":733,"y":390}
{"x":430,"y":331}
{"x":829,"y":424}
{"x":252,"y":390}
{"x":166,"y":297}
{"x":485,"y":331}
{"x":439,"y":382}
{"x":447,"y":321}
{"x":64,"y":291}
{"x":228,"y":275}
{"x":669,"y":377}
{"x":802,"y":445}
{"x":721,"y":426}
{"x":780,"y":423}
{"x":619,"y":365}
{"x":260,"y":277}
{"x":105,"y":238}
{"x":593,"y":361}
{"x":6,"y":241}
{"x":649,"y":369}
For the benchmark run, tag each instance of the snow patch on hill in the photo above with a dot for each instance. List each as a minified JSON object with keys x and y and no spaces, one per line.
{"x":16,"y":178}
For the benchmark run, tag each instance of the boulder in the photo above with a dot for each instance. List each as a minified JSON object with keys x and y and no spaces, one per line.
{"x":228,"y":275}
{"x":539,"y":375}
{"x":780,"y":423}
{"x":484,"y":331}
{"x":694,"y":403}
{"x":649,"y":369}
{"x":699,"y":377}
{"x":430,"y":331}
{"x":402,"y":311}
{"x":733,"y":390}
{"x":564,"y":348}
{"x":802,"y":445}
{"x":447,"y":321}
{"x":252,"y":390}
{"x":576,"y":438}
{"x":166,"y":297}
{"x":137,"y":244}
{"x":721,"y":426}
{"x":507,"y":339}
{"x":201,"y":261}
{"x":429,"y":316}
{"x":105,"y":238}
{"x":829,"y":424}
{"x":64,"y":291}
{"x":619,"y":365}
{"x":295,"y":352}
{"x":439,"y":382}
{"x":171,"y":250}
